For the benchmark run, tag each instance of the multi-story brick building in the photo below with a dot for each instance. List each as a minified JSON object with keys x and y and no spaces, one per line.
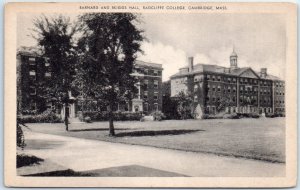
{"x":215,"y":88}
{"x":34,"y":70}
{"x":149,"y":96}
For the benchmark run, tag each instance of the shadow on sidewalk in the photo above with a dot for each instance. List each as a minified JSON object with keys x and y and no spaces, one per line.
{"x":155,"y":133}
{"x":99,"y":129}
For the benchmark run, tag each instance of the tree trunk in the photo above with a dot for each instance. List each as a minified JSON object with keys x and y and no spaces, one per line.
{"x":111,"y":121}
{"x":66,"y":117}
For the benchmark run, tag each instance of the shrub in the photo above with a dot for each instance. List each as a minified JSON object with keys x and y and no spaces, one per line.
{"x":158,"y":116}
{"x":255,"y":115}
{"x":270,"y":115}
{"x":231,"y":116}
{"x":118,"y":116}
{"x":205,"y":116}
{"x":20,"y":136}
{"x":88,"y":119}
{"x":47,"y":116}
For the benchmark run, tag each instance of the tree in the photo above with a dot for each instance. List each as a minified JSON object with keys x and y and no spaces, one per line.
{"x":109,"y":45}
{"x":55,"y":38}
{"x":185,"y":105}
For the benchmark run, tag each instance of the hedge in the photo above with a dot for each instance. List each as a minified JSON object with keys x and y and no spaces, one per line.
{"x":46,"y":117}
{"x":118,"y":116}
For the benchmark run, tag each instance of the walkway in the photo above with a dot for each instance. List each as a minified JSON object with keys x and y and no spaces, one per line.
{"x":83,"y":155}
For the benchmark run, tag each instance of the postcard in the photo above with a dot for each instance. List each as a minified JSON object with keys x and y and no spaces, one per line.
{"x":166,"y":95}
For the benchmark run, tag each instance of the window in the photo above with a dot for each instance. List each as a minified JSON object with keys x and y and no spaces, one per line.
{"x":155,"y":95}
{"x":219,"y":89}
{"x":207,"y":98}
{"x":195,"y":98}
{"x":47,"y":64}
{"x":233,"y":99}
{"x":32,"y":90}
{"x":229,"y":79}
{"x":213,"y":88}
{"x":155,"y":73}
{"x":234,"y":89}
{"x":229,"y":89}
{"x":213,"y":99}
{"x":146,"y":106}
{"x":219,"y":78}
{"x":146,"y":84}
{"x":208,"y":77}
{"x":195,"y":87}
{"x":31,"y":59}
{"x":234,"y":79}
{"x":32,"y":73}
{"x":155,"y":84}
{"x":213,"y":77}
{"x":208,"y":87}
{"x":156,"y":107}
{"x":145,"y":95}
{"x":48,"y":74}
{"x":33,"y":106}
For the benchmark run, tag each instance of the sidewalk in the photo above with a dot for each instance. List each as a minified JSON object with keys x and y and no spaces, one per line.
{"x":88,"y":155}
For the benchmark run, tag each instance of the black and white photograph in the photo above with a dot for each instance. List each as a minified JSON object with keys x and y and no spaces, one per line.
{"x":158,"y":91}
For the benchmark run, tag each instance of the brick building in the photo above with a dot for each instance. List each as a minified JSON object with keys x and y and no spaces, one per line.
{"x":34,"y":70}
{"x":149,"y":96}
{"x":233,"y":89}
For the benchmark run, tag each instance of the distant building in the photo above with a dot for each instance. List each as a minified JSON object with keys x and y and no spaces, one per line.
{"x":235,"y":89}
{"x":149,"y":96}
{"x":34,"y":70}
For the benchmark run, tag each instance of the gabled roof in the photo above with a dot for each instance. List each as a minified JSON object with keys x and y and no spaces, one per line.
{"x":241,"y":71}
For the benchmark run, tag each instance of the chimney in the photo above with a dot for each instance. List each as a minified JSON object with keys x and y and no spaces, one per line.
{"x":263,"y":72}
{"x":191,"y":63}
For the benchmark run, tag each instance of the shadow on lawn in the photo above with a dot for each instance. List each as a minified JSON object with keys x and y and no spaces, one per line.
{"x":98,"y":129}
{"x":155,"y":133}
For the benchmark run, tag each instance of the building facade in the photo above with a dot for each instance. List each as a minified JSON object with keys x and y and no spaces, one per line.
{"x":149,"y":85}
{"x":233,"y":89}
{"x":34,"y":70}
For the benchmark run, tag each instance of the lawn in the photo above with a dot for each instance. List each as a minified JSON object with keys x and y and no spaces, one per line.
{"x":260,"y":139}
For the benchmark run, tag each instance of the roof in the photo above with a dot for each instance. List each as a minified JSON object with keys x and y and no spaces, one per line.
{"x":233,"y":54}
{"x":29,"y":51}
{"x":200,"y":68}
{"x":148,"y":64}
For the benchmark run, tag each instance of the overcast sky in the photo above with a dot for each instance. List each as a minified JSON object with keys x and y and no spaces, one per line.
{"x":259,"y":40}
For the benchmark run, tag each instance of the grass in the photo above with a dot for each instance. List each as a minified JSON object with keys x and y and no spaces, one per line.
{"x":259,"y":139}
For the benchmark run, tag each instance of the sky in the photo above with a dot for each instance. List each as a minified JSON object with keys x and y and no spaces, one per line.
{"x":258,"y":39}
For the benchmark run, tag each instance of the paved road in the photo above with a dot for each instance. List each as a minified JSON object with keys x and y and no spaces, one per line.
{"x":82,"y":155}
